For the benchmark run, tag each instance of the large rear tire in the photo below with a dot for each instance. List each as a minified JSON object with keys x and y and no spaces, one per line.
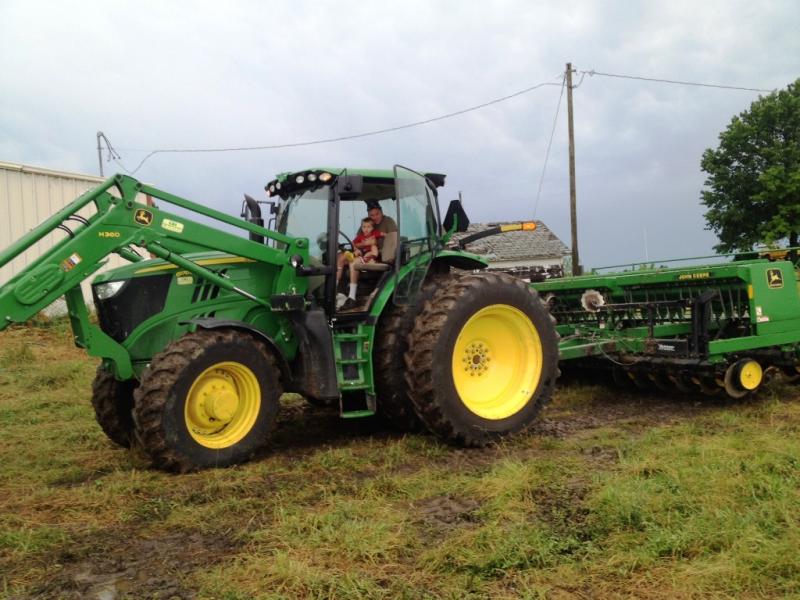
{"x":113,"y":406}
{"x":391,"y":345}
{"x":482,"y":358}
{"x":210,"y":399}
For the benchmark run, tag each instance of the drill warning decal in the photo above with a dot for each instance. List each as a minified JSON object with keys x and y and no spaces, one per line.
{"x":774,"y":278}
{"x":143,"y":217}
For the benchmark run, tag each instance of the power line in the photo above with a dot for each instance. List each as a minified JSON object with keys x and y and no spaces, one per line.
{"x":450,"y":115}
{"x":583,"y":75}
{"x":344,"y":137}
{"x":549,"y":145}
{"x":676,"y":82}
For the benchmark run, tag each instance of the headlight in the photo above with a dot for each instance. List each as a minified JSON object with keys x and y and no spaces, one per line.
{"x":299,"y":179}
{"x":312,"y":177}
{"x":104,"y":291}
{"x":325,"y":177}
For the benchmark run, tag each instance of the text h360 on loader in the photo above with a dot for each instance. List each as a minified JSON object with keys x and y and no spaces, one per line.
{"x":199,"y":342}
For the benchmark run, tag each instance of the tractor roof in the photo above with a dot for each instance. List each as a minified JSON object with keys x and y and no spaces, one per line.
{"x":387,"y":174}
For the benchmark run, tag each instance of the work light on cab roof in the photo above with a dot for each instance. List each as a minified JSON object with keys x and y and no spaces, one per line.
{"x":289,"y":182}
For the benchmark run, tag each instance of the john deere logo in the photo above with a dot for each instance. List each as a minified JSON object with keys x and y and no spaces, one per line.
{"x":774,"y":278}
{"x":143,"y":217}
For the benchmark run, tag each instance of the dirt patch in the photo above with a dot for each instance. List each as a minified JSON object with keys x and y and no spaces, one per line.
{"x":601,"y":455}
{"x":605,"y":406}
{"x":563,"y":507}
{"x":446,"y":510}
{"x":121,"y":567}
{"x":561,"y":426}
{"x":303,"y":428}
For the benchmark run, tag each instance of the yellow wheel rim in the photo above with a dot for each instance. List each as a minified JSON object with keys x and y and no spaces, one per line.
{"x":750,"y":375}
{"x":222,"y":405}
{"x":497,"y":361}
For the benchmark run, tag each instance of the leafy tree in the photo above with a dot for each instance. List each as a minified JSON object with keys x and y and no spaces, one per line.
{"x":753,"y":185}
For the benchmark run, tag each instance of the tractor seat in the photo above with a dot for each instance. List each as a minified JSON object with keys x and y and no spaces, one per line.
{"x":376,"y":266}
{"x":388,"y":249}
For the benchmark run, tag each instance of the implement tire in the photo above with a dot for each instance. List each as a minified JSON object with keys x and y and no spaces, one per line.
{"x":113,"y":406}
{"x":391,"y":345}
{"x":210,"y":399}
{"x":482,"y":358}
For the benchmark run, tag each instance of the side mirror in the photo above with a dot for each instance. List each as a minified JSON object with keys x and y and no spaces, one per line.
{"x":349,"y":187}
{"x":455,"y":215}
{"x":251,"y":212}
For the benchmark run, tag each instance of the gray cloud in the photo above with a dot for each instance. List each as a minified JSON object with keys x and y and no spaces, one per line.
{"x":186,"y":74}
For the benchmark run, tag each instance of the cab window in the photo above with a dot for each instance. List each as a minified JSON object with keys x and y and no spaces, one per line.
{"x":417,"y":213}
{"x":306,"y":216}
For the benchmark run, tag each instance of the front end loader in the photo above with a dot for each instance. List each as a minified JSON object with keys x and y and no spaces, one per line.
{"x":199,"y":340}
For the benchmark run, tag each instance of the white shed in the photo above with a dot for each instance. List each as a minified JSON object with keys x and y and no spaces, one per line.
{"x":28,"y":196}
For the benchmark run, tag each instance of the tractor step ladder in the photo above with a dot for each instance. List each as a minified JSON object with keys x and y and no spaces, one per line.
{"x":352,"y":352}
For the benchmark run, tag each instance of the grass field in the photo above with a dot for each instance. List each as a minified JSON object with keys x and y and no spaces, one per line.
{"x":610,"y":495}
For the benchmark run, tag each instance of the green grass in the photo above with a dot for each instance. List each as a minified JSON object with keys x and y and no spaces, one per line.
{"x":614,"y":495}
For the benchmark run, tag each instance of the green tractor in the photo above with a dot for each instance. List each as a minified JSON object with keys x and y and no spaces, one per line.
{"x":199,"y":341}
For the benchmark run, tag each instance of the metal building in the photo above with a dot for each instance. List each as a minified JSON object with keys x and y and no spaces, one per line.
{"x":28,"y":196}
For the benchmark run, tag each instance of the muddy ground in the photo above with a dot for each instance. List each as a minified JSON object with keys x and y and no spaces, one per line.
{"x":123,"y":564}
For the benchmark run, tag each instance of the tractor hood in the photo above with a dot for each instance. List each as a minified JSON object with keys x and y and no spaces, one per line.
{"x":157,"y":265}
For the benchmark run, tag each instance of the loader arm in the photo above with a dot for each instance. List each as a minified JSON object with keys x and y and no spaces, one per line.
{"x":118,"y":223}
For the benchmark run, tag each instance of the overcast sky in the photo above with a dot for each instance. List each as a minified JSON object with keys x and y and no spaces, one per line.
{"x":212,"y":74}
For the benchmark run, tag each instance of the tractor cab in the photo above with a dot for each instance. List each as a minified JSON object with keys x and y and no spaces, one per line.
{"x":327,"y":206}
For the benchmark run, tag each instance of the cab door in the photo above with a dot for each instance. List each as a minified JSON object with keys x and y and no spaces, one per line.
{"x":418,"y":224}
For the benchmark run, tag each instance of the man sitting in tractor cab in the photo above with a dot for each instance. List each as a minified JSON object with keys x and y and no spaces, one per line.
{"x":387,"y":246}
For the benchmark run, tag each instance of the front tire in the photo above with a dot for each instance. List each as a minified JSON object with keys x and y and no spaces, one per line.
{"x":210,"y":399}
{"x":112,"y":401}
{"x":482,"y":358}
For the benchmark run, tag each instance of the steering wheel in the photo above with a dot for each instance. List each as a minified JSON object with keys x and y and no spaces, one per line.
{"x":322,"y":242}
{"x":349,"y":242}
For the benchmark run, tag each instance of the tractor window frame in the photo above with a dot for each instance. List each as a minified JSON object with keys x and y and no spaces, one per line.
{"x":421,"y":209}
{"x":288,"y":209}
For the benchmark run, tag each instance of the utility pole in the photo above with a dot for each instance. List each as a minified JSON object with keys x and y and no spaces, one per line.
{"x":100,"y":152}
{"x":111,"y":152}
{"x":573,"y":212}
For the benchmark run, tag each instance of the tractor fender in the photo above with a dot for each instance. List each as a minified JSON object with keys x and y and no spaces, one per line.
{"x":460,"y":260}
{"x":207,"y":323}
{"x":447,"y":258}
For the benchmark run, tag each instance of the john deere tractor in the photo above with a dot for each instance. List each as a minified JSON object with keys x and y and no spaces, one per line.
{"x":205,"y":328}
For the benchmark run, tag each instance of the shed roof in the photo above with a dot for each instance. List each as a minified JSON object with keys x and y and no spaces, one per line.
{"x":9,"y":166}
{"x":516,"y":245}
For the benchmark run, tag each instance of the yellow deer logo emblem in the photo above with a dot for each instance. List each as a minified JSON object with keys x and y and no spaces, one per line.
{"x":143,"y":217}
{"x":774,"y":278}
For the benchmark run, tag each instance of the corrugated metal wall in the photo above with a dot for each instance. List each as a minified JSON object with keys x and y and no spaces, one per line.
{"x":28,"y":196}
